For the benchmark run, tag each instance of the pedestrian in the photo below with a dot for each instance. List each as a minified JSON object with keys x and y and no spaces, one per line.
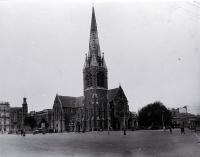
{"x":21,"y":132}
{"x":183,"y":130}
{"x":170,"y":129}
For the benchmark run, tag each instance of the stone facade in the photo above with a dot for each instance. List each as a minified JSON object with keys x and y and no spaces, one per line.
{"x":119,"y":109}
{"x":64,"y":112}
{"x":95,"y":83}
{"x":16,"y":119}
{"x":43,"y":118}
{"x":17,"y":116}
{"x":99,"y":108}
{"x":4,"y":117}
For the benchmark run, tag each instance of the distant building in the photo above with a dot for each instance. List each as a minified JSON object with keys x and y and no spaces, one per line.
{"x":43,"y":118}
{"x":4,"y":117}
{"x":24,"y":110}
{"x":194,"y":122}
{"x":16,"y":119}
{"x":179,"y":118}
{"x":184,"y":118}
{"x":17,"y":116}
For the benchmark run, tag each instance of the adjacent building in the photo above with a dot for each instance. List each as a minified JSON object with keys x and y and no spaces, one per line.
{"x":65,"y":109}
{"x":17,"y":117}
{"x":4,"y":117}
{"x":43,"y":118}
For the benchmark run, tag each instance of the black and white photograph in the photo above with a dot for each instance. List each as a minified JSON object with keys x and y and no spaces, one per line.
{"x":100,"y":78}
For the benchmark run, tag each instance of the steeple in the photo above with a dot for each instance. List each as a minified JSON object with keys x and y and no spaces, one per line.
{"x":93,"y":22}
{"x":95,"y":69}
{"x":94,"y":47}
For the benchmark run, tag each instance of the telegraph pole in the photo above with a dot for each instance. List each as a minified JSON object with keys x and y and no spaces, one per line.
{"x":187,"y":117}
{"x":124,"y":120}
{"x":108,"y":115}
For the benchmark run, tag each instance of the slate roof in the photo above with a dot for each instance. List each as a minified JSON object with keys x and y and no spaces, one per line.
{"x":69,"y":101}
{"x":79,"y":101}
{"x":112,"y":93}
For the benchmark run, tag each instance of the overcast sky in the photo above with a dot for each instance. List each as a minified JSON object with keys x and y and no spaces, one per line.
{"x":152,"y":48}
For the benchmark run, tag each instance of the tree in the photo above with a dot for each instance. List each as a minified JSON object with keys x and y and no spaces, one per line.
{"x":30,"y":121}
{"x":154,"y":114}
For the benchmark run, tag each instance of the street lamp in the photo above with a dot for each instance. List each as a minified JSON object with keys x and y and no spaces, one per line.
{"x":124,"y":121}
{"x":108,"y":115}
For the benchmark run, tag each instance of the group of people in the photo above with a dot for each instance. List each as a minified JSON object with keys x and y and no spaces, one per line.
{"x":22,"y":132}
{"x":182,"y":129}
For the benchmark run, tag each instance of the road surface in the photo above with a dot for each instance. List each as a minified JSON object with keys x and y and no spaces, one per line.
{"x":157,"y":143}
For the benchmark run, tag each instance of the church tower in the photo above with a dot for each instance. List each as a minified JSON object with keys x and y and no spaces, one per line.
{"x":95,"y":83}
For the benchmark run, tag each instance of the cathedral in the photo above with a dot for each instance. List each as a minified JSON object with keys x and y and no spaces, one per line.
{"x":100,"y":108}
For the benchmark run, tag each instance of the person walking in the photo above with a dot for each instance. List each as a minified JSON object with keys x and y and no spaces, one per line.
{"x":182,"y":130}
{"x":170,"y":129}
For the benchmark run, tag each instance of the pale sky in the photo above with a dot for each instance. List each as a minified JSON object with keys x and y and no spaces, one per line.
{"x":152,"y":48}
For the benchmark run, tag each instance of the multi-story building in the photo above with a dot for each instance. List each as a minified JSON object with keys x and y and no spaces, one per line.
{"x":184,"y":119}
{"x":4,"y":117}
{"x":17,"y":117}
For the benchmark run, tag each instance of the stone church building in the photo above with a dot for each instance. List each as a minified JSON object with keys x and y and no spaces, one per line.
{"x":100,"y":107}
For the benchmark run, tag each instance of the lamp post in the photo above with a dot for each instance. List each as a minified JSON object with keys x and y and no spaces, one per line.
{"x":108,"y":115}
{"x":187,"y":117}
{"x":124,"y":120}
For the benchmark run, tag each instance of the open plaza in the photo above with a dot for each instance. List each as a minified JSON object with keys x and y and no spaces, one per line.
{"x":138,"y":99}
{"x":143,"y":143}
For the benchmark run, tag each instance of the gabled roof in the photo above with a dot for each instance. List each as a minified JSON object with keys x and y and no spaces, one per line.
{"x":79,"y":101}
{"x":69,"y":101}
{"x":112,"y":93}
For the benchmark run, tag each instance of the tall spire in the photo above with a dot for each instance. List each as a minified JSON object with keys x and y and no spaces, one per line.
{"x":94,"y":47}
{"x":93,"y":22}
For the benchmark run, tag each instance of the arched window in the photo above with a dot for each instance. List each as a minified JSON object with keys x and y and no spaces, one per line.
{"x":89,"y":79}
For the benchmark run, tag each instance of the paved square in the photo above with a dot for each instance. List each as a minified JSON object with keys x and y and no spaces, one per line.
{"x":156,"y":143}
